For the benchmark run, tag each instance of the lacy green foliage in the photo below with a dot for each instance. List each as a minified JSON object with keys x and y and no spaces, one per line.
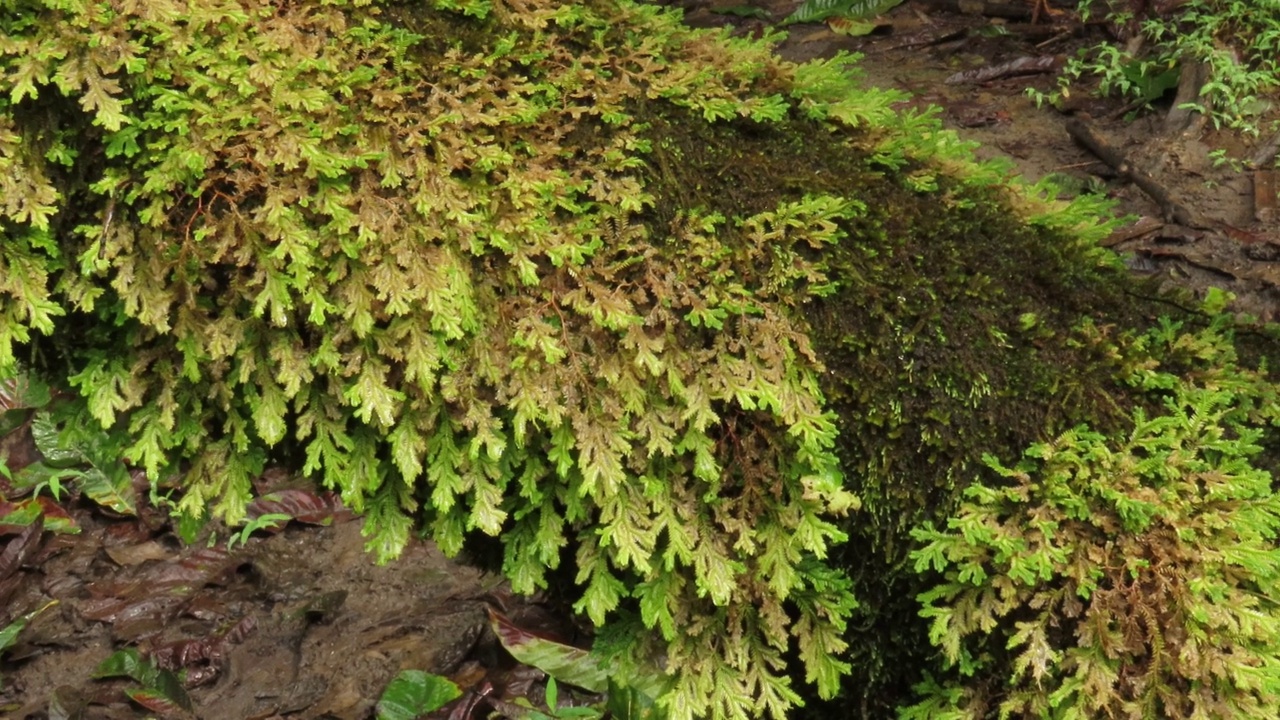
{"x":467,"y":264}
{"x":1105,"y":577}
{"x":1237,"y":40}
{"x":408,"y":256}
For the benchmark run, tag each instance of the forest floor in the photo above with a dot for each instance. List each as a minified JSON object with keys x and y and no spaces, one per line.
{"x":301,"y":623}
{"x":1207,"y":227}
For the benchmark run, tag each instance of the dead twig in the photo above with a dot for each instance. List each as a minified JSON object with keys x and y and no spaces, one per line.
{"x":1026,"y":65}
{"x":1144,"y":226}
{"x":1082,"y":133}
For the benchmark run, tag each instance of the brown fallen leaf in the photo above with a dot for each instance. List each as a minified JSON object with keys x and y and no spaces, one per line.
{"x":139,"y":553}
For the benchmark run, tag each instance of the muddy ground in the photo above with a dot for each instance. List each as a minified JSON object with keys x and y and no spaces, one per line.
{"x":302,"y":623}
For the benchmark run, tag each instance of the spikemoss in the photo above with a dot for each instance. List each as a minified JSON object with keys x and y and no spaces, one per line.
{"x":571,"y":275}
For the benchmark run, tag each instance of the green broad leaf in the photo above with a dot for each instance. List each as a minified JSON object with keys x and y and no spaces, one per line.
{"x":112,"y":490}
{"x":38,"y":509}
{"x":9,"y":635}
{"x":819,"y":10}
{"x":47,"y":436}
{"x":414,"y":693}
{"x":565,"y":663}
{"x":553,"y":694}
{"x":125,"y":663}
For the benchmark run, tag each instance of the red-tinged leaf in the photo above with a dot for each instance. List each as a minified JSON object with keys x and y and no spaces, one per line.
{"x":193,"y":571}
{"x":23,"y":392}
{"x":306,"y":506}
{"x":15,"y":517}
{"x":19,"y":549}
{"x":466,"y":707}
{"x":56,"y":517}
{"x":129,"y":609}
{"x":565,"y":663}
{"x":237,"y":633}
{"x":165,"y":696}
{"x":517,"y":681}
{"x":203,"y":675}
{"x":182,"y":654}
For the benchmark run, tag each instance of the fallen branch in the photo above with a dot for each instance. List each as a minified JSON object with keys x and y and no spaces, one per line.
{"x":1144,"y":226}
{"x":1095,"y":143}
{"x":1026,"y":65}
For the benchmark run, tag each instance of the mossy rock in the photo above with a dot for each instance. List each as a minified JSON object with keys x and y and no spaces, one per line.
{"x":571,"y":275}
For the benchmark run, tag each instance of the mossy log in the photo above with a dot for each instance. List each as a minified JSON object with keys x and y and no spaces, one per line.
{"x":717,"y":329}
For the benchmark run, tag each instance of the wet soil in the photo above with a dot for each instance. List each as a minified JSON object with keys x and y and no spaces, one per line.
{"x":303,"y":624}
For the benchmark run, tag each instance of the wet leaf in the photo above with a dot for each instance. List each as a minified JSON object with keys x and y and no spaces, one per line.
{"x":112,"y":490}
{"x":566,"y":663}
{"x":66,"y":703}
{"x":182,"y":654}
{"x":124,"y":663}
{"x":129,"y":609}
{"x":15,"y":517}
{"x":241,"y":630}
{"x":164,"y":695}
{"x":305,"y":506}
{"x":138,"y":553}
{"x":19,"y":549}
{"x":9,"y":635}
{"x":47,"y":435}
{"x":414,"y":693}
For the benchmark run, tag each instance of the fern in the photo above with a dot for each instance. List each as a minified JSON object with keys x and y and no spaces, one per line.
{"x":1101,"y":578}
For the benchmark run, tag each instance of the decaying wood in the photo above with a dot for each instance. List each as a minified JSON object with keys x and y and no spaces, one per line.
{"x":1082,"y":133}
{"x":1144,"y":226}
{"x":1025,"y":65}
